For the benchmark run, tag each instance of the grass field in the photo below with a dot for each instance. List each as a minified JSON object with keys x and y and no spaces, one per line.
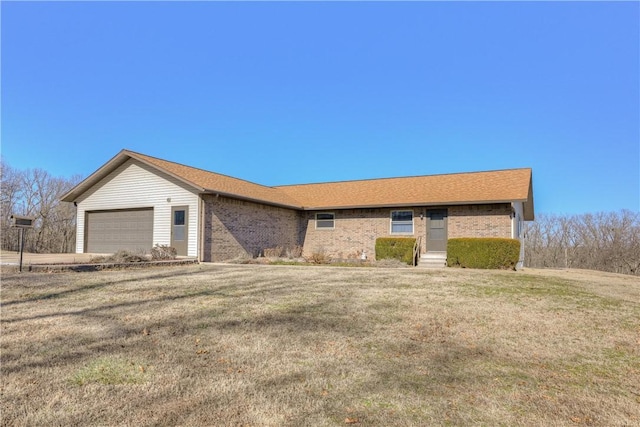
{"x":314,"y":346}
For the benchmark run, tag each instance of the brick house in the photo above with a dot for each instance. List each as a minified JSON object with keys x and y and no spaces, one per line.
{"x":135,"y":201}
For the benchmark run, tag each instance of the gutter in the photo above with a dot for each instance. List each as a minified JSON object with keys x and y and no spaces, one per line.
{"x":412,"y":204}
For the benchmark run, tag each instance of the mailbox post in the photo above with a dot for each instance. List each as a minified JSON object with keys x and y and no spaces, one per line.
{"x":21,"y":222}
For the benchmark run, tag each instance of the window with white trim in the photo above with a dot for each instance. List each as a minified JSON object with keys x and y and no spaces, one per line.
{"x":401,"y":222}
{"x":325,"y":220}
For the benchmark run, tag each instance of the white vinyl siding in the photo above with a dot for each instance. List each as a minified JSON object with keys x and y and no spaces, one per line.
{"x":136,"y":185}
{"x":517,"y":227}
{"x":517,"y":222}
{"x":401,"y":222}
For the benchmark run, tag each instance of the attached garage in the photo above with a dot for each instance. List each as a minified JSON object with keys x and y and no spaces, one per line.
{"x":112,"y":230}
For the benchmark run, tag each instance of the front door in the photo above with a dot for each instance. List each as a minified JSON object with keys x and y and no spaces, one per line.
{"x":180,"y":229}
{"x":436,"y":230}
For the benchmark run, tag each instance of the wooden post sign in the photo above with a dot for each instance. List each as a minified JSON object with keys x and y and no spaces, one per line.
{"x":21,"y":222}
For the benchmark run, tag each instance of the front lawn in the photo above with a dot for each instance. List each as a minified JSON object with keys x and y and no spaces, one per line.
{"x":284,"y":345}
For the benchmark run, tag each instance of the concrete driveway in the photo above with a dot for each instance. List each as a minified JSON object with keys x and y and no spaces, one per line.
{"x":13,"y":258}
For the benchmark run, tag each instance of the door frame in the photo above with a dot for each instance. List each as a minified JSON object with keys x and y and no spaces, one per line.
{"x":428,"y":213}
{"x":183,"y":248}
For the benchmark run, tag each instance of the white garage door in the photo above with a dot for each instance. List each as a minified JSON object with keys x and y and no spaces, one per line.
{"x":110,"y":231}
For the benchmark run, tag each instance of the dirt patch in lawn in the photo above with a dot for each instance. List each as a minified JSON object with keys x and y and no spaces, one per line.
{"x":278,"y":345}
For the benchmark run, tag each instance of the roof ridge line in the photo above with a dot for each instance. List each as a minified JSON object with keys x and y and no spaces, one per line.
{"x":197,"y":168}
{"x":401,"y":177}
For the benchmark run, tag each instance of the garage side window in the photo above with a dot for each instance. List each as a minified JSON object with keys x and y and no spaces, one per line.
{"x":325,"y":220}
{"x":401,"y":222}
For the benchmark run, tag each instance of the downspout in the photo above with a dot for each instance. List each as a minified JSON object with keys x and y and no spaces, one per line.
{"x":512,"y":216}
{"x":517,"y":231}
{"x":201,"y":228}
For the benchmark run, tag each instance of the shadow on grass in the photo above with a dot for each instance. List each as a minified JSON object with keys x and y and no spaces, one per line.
{"x":85,"y":288}
{"x":217,"y":291}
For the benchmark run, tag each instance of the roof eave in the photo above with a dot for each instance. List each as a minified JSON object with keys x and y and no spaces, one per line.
{"x":163,"y":170}
{"x":115,"y":162}
{"x":73,"y":194}
{"x":252,"y":199}
{"x":412,"y":204}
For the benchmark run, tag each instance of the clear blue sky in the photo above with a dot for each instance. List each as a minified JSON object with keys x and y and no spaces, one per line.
{"x":280,"y":93}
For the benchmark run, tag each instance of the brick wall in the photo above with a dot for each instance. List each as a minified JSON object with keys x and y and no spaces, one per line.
{"x":237,"y":228}
{"x":480,"y":221}
{"x":355,"y":230}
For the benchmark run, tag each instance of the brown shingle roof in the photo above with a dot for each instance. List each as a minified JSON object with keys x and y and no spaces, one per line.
{"x":495,"y":186}
{"x":217,"y":183}
{"x":462,"y":188}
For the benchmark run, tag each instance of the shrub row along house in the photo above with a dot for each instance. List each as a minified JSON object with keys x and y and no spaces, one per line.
{"x":135,"y":201}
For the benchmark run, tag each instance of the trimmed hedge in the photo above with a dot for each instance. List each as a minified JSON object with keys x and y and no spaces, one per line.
{"x":491,"y":253}
{"x":400,"y":248}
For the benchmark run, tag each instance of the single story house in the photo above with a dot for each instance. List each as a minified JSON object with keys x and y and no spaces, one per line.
{"x":135,"y":201}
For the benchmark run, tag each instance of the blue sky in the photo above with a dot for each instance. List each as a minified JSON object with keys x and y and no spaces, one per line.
{"x":282,"y":93}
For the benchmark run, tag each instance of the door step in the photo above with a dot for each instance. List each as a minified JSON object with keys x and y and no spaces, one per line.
{"x":433,"y":260}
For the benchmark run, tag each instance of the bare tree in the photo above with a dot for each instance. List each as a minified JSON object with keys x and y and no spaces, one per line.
{"x":10,"y":182}
{"x":602,"y":241}
{"x":35,"y":193}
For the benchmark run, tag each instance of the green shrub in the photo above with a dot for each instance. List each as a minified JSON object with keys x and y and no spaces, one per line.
{"x":491,"y":253}
{"x":400,"y":248}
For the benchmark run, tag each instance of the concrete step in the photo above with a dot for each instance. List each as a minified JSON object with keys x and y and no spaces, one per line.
{"x":433,"y":260}
{"x":434,"y":255}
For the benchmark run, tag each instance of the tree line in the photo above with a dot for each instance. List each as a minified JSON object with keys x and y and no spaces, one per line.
{"x":608,"y":241}
{"x":601,"y":241}
{"x":36,"y":193}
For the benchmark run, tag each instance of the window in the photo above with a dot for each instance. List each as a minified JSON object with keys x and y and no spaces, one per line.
{"x":179,"y":225}
{"x":178,"y":217}
{"x":325,"y":220}
{"x":402,"y":222}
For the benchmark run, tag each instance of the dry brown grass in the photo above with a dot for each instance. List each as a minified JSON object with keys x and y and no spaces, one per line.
{"x":313,"y":346}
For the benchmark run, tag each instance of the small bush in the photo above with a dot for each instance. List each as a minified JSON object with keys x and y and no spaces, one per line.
{"x":489,"y":253}
{"x":320,"y":256}
{"x":291,"y":252}
{"x":121,"y":257}
{"x":400,"y":248}
{"x":244,"y":258}
{"x":273,"y":252}
{"x":163,"y":252}
{"x":294,"y":252}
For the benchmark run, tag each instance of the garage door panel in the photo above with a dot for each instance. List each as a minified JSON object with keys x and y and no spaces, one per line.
{"x":110,"y":231}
